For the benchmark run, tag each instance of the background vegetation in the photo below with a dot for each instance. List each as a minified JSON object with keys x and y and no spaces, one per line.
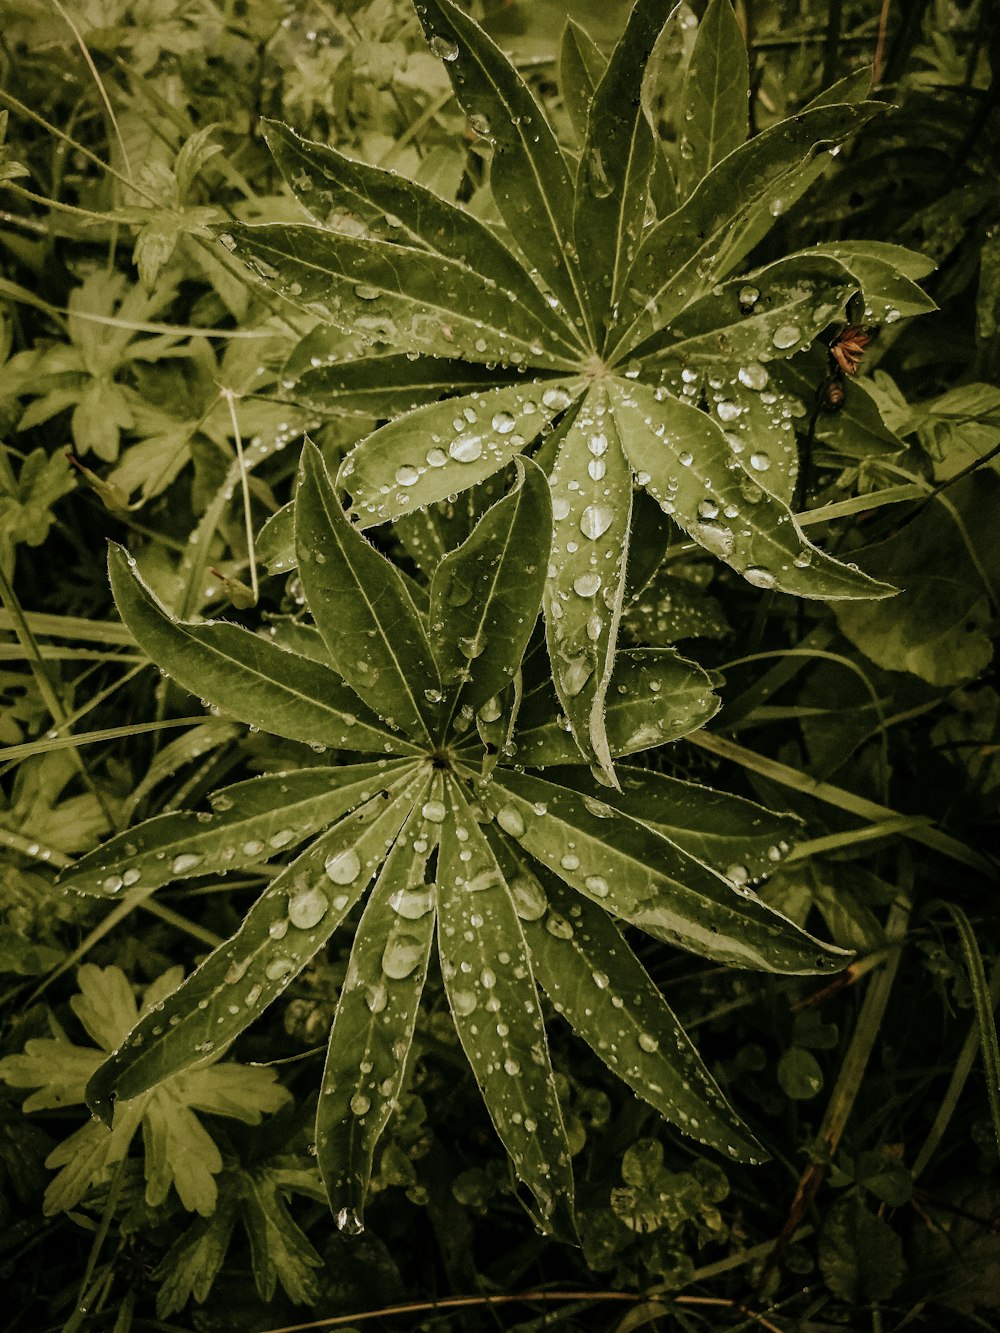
{"x":133,"y":343}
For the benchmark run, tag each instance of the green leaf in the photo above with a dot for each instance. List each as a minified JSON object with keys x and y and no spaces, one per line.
{"x":741,"y":839}
{"x":485,"y":596}
{"x":251,"y":822}
{"x":387,"y":384}
{"x":414,"y":300}
{"x":616,"y":162}
{"x":284,"y":929}
{"x":591,"y":505}
{"x":638,"y":875}
{"x":193,"y":1262}
{"x":444,"y":448}
{"x":655,"y":696}
{"x":529,"y":176}
{"x":491,"y":991}
{"x":687,"y":253}
{"x":687,"y":466}
{"x":799,"y":1074}
{"x":376,"y":1014}
{"x":393,"y":208}
{"x":581,"y":67}
{"x":885,"y":274}
{"x":790,"y":302}
{"x":279,"y":1249}
{"x":602,"y":990}
{"x":246,"y":676}
{"x":375,"y":635}
{"x":860,"y":1255}
{"x":715,"y":98}
{"x":856,"y":430}
{"x":945,"y":559}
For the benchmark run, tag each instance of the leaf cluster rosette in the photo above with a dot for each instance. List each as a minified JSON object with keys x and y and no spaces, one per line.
{"x":596,"y":321}
{"x":519,"y":879}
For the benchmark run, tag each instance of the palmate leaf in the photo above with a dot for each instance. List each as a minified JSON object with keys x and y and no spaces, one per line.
{"x":651,"y":855}
{"x":582,"y":288}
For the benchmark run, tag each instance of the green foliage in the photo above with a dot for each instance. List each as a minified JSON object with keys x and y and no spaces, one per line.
{"x":488,"y":570}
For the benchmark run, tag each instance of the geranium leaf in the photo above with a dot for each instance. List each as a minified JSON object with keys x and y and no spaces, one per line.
{"x":715,"y":96}
{"x":250,"y":823}
{"x":376,"y":1013}
{"x":602,"y":990}
{"x":284,"y":929}
{"x":636,"y":874}
{"x":769,"y":314}
{"x":655,"y":696}
{"x":394,"y":208}
{"x":616,"y":161}
{"x":689,"y":468}
{"x":591,"y":506}
{"x":741,"y":839}
{"x":375,"y":635}
{"x":445,"y":448}
{"x":248,"y":677}
{"x":496,"y":1011}
{"x":529,"y":176}
{"x":398,"y":294}
{"x":687,"y":253}
{"x":581,"y":67}
{"x":485,"y":596}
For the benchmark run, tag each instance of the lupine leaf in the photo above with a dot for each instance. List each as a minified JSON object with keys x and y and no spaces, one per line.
{"x":486,"y":595}
{"x":284,"y":929}
{"x":375,"y":635}
{"x":741,"y":839}
{"x":715,"y":97}
{"x":591,"y":505}
{"x":602,"y":990}
{"x":247,"y":676}
{"x":387,"y":384}
{"x":638,"y":875}
{"x":691,"y":471}
{"x":375,"y":1018}
{"x":655,"y":696}
{"x":251,"y":822}
{"x":395,"y":208}
{"x":398,"y":294}
{"x":581,"y":67}
{"x":529,"y":176}
{"x":686,"y":254}
{"x":616,"y":161}
{"x":885,"y":275}
{"x":769,"y":314}
{"x":441,"y":449}
{"x":496,"y":1011}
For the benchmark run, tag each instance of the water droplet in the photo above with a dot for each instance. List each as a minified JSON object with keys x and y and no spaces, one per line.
{"x":361,"y":1103}
{"x":648,"y":1042}
{"x":597,"y":176}
{"x":759,"y":576}
{"x":708,"y":509}
{"x":753,"y":376}
{"x":556,"y":400}
{"x":748,"y":298}
{"x":480,"y":123}
{"x":760,"y":462}
{"x":529,"y":900}
{"x":511,"y":821}
{"x":728,"y":411}
{"x":558,"y":926}
{"x":737,"y":874}
{"x":490,"y":710}
{"x":597,"y":885}
{"x":113,"y":883}
{"x":401,"y":956}
{"x":412,"y":904}
{"x":511,"y":1067}
{"x":595,"y":521}
{"x":570,"y":861}
{"x":786,"y":335}
{"x":503,"y":423}
{"x":575,"y":674}
{"x":715,"y":537}
{"x":466,"y":449}
{"x":407,"y":475}
{"x":586,"y":585}
{"x":434,"y":811}
{"x":278,"y":968}
{"x":185,"y":862}
{"x":463,"y":1002}
{"x":343,"y":867}
{"x":349,"y":1222}
{"x":488,"y":978}
{"x":444,"y":48}
{"x":364,"y":292}
{"x":308,"y":907}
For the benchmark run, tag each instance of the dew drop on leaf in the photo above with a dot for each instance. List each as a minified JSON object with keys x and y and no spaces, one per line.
{"x":434,"y":812}
{"x":597,"y":885}
{"x":510,"y":821}
{"x":443,"y":48}
{"x":760,"y":462}
{"x":349,"y":1222}
{"x":466,"y":449}
{"x":185,"y":862}
{"x":361,"y":1103}
{"x":407,"y":475}
{"x":786,"y":335}
{"x":401,"y":956}
{"x":556,"y":400}
{"x":343,"y":867}
{"x":529,"y":900}
{"x":503,"y":423}
{"x":307,"y":908}
{"x":586,"y":585}
{"x":759,"y":576}
{"x":463,"y":1002}
{"x":595,"y":521}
